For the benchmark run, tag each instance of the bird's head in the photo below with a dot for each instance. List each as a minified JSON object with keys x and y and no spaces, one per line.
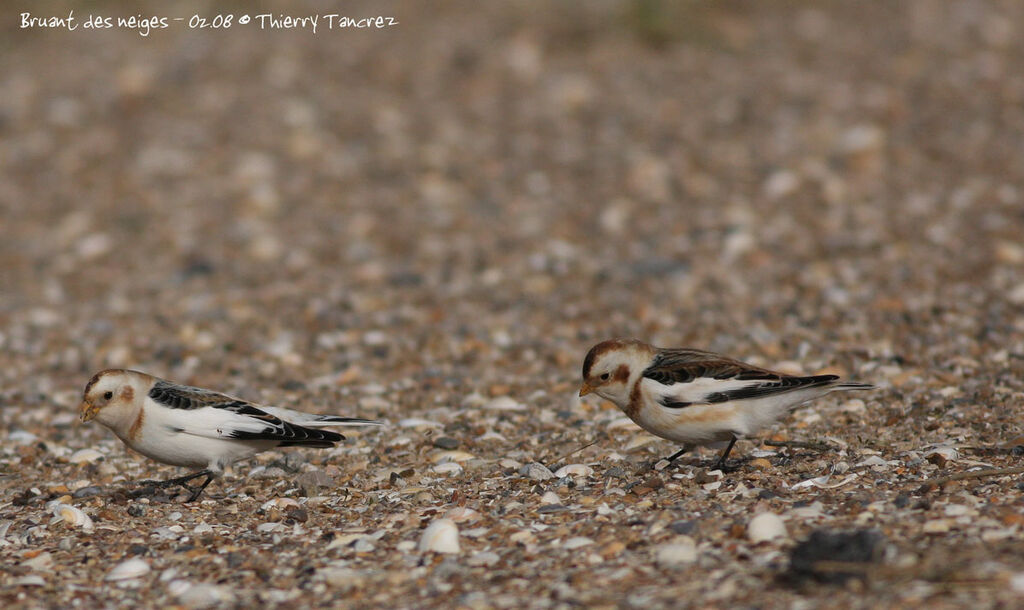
{"x":109,"y":392}
{"x":611,"y":365}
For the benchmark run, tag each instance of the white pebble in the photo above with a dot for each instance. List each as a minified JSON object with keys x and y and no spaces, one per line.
{"x":550,"y":497}
{"x":441,"y":536}
{"x":765,"y":527}
{"x":504,"y":403}
{"x":132,"y":568}
{"x":200,"y":595}
{"x":343,"y":579}
{"x":537,"y":472}
{"x":577,"y":542}
{"x":682,"y":550}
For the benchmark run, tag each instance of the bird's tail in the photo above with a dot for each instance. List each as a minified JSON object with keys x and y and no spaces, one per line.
{"x":853,"y":385}
{"x":337,"y":420}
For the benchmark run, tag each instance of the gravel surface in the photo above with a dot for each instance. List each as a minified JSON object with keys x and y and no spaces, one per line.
{"x":431,"y":223}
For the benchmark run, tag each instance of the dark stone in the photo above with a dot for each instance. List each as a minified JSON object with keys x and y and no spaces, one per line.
{"x":615,"y":472}
{"x":137,"y":549}
{"x":137,"y":510}
{"x":683,"y":527}
{"x":902,"y":501}
{"x":297,"y":514}
{"x":293,"y":385}
{"x":856,"y":550}
{"x":87,"y":492}
{"x":446,"y":442}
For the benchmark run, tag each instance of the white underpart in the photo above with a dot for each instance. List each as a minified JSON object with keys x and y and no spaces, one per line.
{"x":196,"y":437}
{"x":701,"y":424}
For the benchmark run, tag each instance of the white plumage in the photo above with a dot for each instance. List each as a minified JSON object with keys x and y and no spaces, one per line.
{"x":695,"y":397}
{"x":187,"y":426}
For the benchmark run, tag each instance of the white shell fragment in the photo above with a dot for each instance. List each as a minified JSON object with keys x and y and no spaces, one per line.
{"x":280,"y":503}
{"x":941,"y":455}
{"x":447,"y":468}
{"x":823,"y":482}
{"x":439,"y":457}
{"x":441,"y":536}
{"x":132,"y":568}
{"x":461,"y":514}
{"x":73,"y":516}
{"x":681,"y":550}
{"x":504,"y":403}
{"x":550,"y":497}
{"x":200,"y":595}
{"x":765,"y":527}
{"x":85,"y":456}
{"x":577,"y":542}
{"x":537,"y":472}
{"x":574,"y":470}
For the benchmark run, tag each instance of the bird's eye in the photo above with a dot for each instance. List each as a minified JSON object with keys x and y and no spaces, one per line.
{"x":605,"y":377}
{"x":108,"y":395}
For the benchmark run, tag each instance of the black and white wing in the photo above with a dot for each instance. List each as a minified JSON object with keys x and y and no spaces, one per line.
{"x":216,"y":415}
{"x":684,"y":377}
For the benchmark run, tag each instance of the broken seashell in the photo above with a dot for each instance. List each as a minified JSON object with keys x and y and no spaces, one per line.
{"x":461,"y":514}
{"x":85,"y":456}
{"x":447,"y":468}
{"x":550,"y":497}
{"x":441,"y":536}
{"x":132,"y":568}
{"x":280,"y":503}
{"x":73,"y":516}
{"x":574,"y":470}
{"x":438,"y":457}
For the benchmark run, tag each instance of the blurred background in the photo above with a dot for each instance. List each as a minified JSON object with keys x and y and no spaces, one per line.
{"x":466,"y":201}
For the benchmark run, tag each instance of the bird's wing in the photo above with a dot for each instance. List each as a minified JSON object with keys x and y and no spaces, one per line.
{"x":216,"y":415}
{"x":683,"y":377}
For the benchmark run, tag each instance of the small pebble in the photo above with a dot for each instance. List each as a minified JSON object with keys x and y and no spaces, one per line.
{"x":680,"y":551}
{"x":441,"y":536}
{"x":765,"y":527}
{"x":446,"y":442}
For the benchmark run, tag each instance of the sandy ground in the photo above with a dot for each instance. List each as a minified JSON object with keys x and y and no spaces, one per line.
{"x":431,"y":223}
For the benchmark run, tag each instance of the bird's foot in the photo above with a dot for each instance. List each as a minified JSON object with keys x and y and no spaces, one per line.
{"x":150,"y":487}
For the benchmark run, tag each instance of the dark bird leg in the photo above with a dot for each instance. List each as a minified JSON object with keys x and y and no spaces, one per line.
{"x":720,"y":464}
{"x":669,"y":459}
{"x":183,"y":482}
{"x":673,"y":457}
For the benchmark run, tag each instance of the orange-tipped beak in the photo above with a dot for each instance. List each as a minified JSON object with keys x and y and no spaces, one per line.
{"x":86,"y":411}
{"x":585,"y":389}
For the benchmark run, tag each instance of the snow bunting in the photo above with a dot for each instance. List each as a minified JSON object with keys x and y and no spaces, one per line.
{"x":695,"y":397}
{"x":186,"y":426}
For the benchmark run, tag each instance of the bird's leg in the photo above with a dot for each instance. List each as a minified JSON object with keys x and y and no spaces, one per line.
{"x":183,"y":482}
{"x":653,"y":464}
{"x":720,"y":464}
{"x":673,"y":457}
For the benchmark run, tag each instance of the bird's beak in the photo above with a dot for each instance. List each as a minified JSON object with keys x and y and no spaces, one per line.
{"x":585,"y":389}
{"x":87,"y":411}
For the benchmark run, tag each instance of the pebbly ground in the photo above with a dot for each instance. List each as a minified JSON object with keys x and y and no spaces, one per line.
{"x":431,"y":223}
